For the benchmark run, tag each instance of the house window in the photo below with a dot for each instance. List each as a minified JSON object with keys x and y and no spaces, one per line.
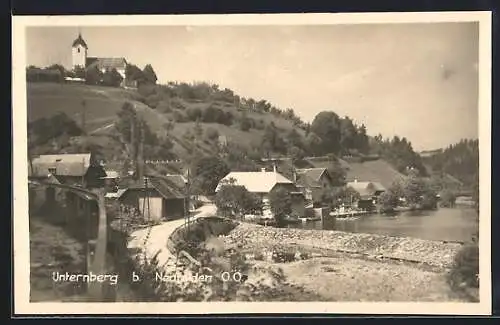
{"x":52,"y":170}
{"x":78,"y":50}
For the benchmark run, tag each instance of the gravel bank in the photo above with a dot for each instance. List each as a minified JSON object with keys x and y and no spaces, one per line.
{"x":433,"y":253}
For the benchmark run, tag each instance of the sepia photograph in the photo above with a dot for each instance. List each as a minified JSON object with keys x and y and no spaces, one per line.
{"x":274,"y":161}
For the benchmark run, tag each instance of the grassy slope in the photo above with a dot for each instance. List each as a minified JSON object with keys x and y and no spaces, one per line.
{"x":103,"y":103}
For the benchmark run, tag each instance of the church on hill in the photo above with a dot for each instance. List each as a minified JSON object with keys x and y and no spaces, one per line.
{"x":82,"y":60}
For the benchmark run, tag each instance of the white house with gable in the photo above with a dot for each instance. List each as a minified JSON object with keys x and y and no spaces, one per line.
{"x":263,"y":183}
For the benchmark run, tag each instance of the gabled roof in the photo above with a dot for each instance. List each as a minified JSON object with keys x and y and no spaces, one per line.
{"x":366,"y":188}
{"x":310,"y":177}
{"x":255,"y":182}
{"x":79,"y":41}
{"x":106,"y":63}
{"x":313,"y":173}
{"x":65,"y":165}
{"x":166,"y":187}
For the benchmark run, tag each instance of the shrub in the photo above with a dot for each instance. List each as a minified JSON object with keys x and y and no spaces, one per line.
{"x":283,"y":255}
{"x":212,"y":134}
{"x":465,"y":271}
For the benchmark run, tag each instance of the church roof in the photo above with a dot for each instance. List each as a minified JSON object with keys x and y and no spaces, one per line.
{"x":106,"y":63}
{"x":80,"y":41}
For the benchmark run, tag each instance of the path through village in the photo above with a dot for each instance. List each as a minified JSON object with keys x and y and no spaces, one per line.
{"x":159,"y":235}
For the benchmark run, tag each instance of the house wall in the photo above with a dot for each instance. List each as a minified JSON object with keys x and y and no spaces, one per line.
{"x":174,"y":208}
{"x":298,"y":206}
{"x":151,"y":208}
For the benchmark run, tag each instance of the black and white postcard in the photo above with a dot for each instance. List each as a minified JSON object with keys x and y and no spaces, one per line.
{"x":278,"y":163}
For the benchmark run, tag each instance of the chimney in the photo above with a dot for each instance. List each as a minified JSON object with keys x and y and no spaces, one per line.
{"x":294,"y":175}
{"x":263,"y":170}
{"x":355,"y":180}
{"x":274,"y":168}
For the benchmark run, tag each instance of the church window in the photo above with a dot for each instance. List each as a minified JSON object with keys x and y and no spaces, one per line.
{"x":78,"y":50}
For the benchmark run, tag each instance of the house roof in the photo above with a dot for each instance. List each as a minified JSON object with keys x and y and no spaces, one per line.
{"x":65,"y":165}
{"x":111,"y":174}
{"x":79,"y":41}
{"x":115,"y":195}
{"x":106,"y":63}
{"x":310,"y":177}
{"x":256,"y":182}
{"x":366,"y":188}
{"x":165,"y":186}
{"x":313,"y":173}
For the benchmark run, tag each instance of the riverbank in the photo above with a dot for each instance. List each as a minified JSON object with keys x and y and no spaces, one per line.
{"x":260,"y":238}
{"x":355,"y":267}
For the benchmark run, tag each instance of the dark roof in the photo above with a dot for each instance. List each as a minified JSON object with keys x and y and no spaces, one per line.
{"x":166,"y":187}
{"x":106,"y":63}
{"x":304,"y":180}
{"x":80,"y":41}
{"x":310,"y":177}
{"x":366,"y":188}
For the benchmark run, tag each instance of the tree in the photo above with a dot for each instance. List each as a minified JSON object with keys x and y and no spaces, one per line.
{"x":207,"y":172}
{"x":448,"y":199}
{"x":133,"y":73}
{"x":59,"y":68}
{"x":211,"y":134}
{"x":244,"y":122}
{"x":236,"y":200}
{"x":112,"y":78}
{"x":93,"y":76}
{"x":149,"y":74}
{"x":280,"y":202}
{"x":344,"y":195}
{"x":79,"y":72}
{"x":326,"y":125}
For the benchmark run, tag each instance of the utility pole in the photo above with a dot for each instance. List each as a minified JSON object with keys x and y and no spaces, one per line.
{"x":84,"y":113}
{"x":133,"y":143}
{"x":140,"y":154}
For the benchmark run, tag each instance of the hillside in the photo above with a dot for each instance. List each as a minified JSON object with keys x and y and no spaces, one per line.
{"x":101,"y":105}
{"x":181,"y":126}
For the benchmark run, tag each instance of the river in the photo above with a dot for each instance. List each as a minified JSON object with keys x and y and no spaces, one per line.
{"x":450,"y":224}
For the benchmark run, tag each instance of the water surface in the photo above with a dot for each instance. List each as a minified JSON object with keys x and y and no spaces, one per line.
{"x":450,"y":224}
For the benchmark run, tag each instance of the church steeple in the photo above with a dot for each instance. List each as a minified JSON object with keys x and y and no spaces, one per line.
{"x":80,"y":41}
{"x":79,"y":52}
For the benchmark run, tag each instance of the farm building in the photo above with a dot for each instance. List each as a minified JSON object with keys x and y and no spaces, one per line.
{"x":157,"y":198}
{"x":368,"y":191}
{"x":313,"y":181}
{"x":263,"y":183}
{"x":70,"y":169}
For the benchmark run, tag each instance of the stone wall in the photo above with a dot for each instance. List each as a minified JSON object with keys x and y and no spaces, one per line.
{"x":434,"y":253}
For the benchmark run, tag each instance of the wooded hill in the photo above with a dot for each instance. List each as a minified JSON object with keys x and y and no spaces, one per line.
{"x":185,"y":121}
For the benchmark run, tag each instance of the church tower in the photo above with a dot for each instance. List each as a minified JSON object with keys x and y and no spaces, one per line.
{"x":79,"y":52}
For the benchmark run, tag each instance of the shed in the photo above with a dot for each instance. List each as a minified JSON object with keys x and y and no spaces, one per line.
{"x":157,"y":198}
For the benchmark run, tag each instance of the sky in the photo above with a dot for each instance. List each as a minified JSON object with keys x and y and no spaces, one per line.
{"x":417,"y":80}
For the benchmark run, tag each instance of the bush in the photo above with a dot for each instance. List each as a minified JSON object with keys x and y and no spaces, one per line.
{"x":179,"y":117}
{"x":212,"y":134}
{"x":283,"y":255}
{"x":465,"y":271}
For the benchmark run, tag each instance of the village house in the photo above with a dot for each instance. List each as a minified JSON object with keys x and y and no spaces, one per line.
{"x":81,"y":170}
{"x":263,"y":183}
{"x":81,"y":60}
{"x":70,"y":169}
{"x":313,"y":182}
{"x":369,"y":193}
{"x":157,"y":198}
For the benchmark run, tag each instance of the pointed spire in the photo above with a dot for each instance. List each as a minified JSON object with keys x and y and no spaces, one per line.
{"x":79,"y":40}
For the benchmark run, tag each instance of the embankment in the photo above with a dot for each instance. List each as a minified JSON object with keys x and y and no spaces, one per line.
{"x":263,"y":239}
